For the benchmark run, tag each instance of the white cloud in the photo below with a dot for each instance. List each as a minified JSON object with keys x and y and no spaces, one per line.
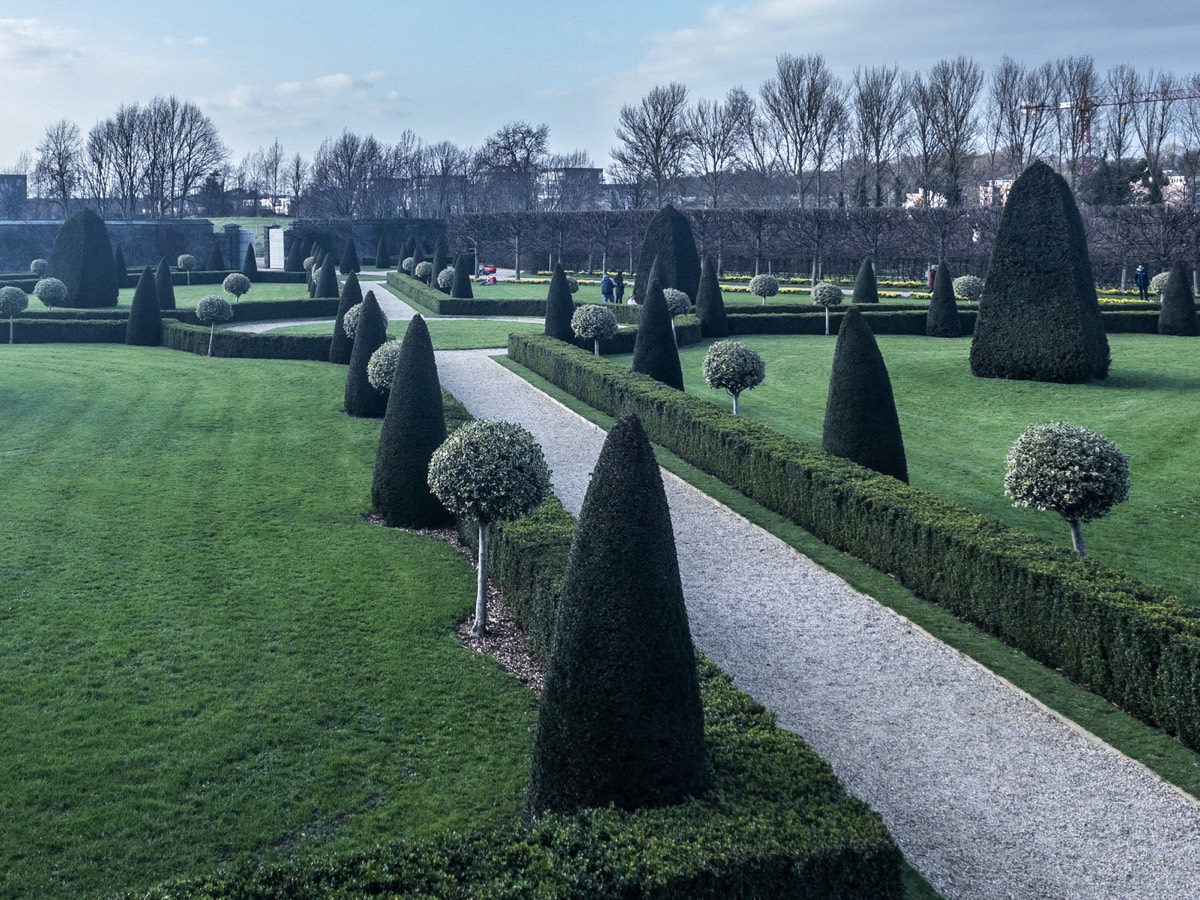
{"x":28,"y":44}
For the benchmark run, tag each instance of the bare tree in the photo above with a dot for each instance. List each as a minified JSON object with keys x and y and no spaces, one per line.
{"x":761,"y":157}
{"x":511,"y":160}
{"x":1019,"y":134}
{"x":59,"y":163}
{"x":1075,"y":81}
{"x":1123,"y":85}
{"x":124,"y":132}
{"x":717,"y":134}
{"x":654,"y":138}
{"x":832,"y":128}
{"x":446,"y":168}
{"x":954,"y":86}
{"x":296,"y":180}
{"x":880,"y":113}
{"x":571,"y":182}
{"x":341,"y":173}
{"x":98,"y":165}
{"x":196,"y":150}
{"x":795,"y":97}
{"x":13,"y":191}
{"x":1189,"y":136}
{"x":1153,"y":121}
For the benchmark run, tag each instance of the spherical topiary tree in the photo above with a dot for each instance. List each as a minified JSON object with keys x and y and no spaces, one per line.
{"x":342,"y":343}
{"x":12,"y":301}
{"x":668,"y":239}
{"x":445,"y":278}
{"x":1158,"y":284}
{"x":491,"y":471}
{"x":407,"y":264}
{"x":250,"y":263}
{"x":866,"y":288}
{"x":51,"y":291}
{"x":710,"y":304}
{"x":370,"y":331}
{"x":213,"y":309}
{"x":349,"y":262}
{"x":860,"y":413}
{"x":414,"y":426}
{"x":309,"y":262}
{"x":38,"y":267}
{"x":1070,"y":470}
{"x":764,"y":286}
{"x":119,"y":267}
{"x":164,"y":284}
{"x":460,"y":288}
{"x":620,"y":721}
{"x":572,"y":284}
{"x":734,"y":367}
{"x":144,"y":328}
{"x":216,"y":259}
{"x":826,"y":295}
{"x":1178,"y":313}
{"x":942,"y":320}
{"x":559,"y":307}
{"x":654,"y":350}
{"x":381,"y":367}
{"x":237,"y":284}
{"x":188,"y":263}
{"x":968,"y":287}
{"x":350,"y":319}
{"x":678,"y":304}
{"x":424,"y":270}
{"x":383,"y":253}
{"x":82,"y":259}
{"x":595,"y":323}
{"x":327,"y":281}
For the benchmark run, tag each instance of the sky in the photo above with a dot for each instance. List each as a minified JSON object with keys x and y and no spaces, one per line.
{"x":303,"y":71}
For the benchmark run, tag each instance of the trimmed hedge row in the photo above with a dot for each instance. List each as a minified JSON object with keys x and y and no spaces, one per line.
{"x":890,"y":320}
{"x":1131,"y":643}
{"x":74,"y":330}
{"x":264,"y":276}
{"x":59,"y":313}
{"x":194,"y":339}
{"x":266,"y":310}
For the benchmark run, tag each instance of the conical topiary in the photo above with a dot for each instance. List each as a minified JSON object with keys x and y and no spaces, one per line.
{"x":439,"y":263}
{"x":164,"y":284}
{"x":942,"y":319}
{"x":1178,"y":313}
{"x":409,"y":248}
{"x":383,"y":255}
{"x":860,"y":415}
{"x":362,"y":400}
{"x":327,"y":281}
{"x":559,"y":307}
{"x":216,"y":259}
{"x":1039,"y":317}
{"x":620,"y":721}
{"x":349,"y":259}
{"x":120,"y":269}
{"x":82,"y":259}
{"x":342,"y":344}
{"x":250,"y":263}
{"x":417,"y":258}
{"x":710,"y":304}
{"x":654,"y":350}
{"x":144,"y":328}
{"x":460,"y":288}
{"x":866,"y":289}
{"x":297,"y":252}
{"x":669,"y":238}
{"x":414,"y":425}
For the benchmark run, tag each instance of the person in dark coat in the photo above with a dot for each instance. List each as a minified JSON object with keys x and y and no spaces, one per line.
{"x":619,"y":285}
{"x":1142,"y":279}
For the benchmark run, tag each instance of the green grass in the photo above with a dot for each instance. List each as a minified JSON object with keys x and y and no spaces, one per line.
{"x":447,"y":334}
{"x":206,"y":656}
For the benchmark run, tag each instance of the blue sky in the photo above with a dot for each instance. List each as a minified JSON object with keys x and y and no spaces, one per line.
{"x":304,"y":70}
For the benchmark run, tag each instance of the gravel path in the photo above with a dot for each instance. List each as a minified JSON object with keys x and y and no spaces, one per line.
{"x":989,"y":794}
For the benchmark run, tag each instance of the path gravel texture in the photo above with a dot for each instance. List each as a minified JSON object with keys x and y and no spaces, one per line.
{"x":989,"y":794}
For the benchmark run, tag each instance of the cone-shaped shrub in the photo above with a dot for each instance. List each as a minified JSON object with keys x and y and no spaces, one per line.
{"x":349,"y":259}
{"x":294,"y":262}
{"x":417,"y":258}
{"x":866,"y":288}
{"x":654,"y":350}
{"x":408,"y":248}
{"x":1178,"y":313}
{"x":383,"y":254}
{"x":82,"y":259}
{"x":710,"y":303}
{"x":144,"y":328}
{"x":327,"y":282}
{"x":342,"y":345}
{"x":461,"y":287}
{"x":620,"y":720}
{"x":164,"y":285}
{"x":362,"y":400}
{"x":860,"y":415}
{"x":439,"y":263}
{"x":1038,"y":315}
{"x":250,"y":263}
{"x":942,"y":319}
{"x":414,"y":425}
{"x":669,"y":239}
{"x":120,"y":269}
{"x":559,"y":307}
{"x":216,"y":259}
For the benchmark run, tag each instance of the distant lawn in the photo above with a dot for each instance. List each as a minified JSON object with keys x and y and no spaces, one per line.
{"x":958,"y":429}
{"x":447,"y":334}
{"x":206,"y":656}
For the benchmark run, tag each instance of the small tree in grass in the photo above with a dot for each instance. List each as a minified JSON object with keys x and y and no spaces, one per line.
{"x":866,"y":288}
{"x":445,"y":279}
{"x":250,"y":263}
{"x":424,"y":270}
{"x":734,"y":367}
{"x":343,"y":343}
{"x":490,"y":471}
{"x":1070,"y":470}
{"x":237,"y":284}
{"x":164,"y":284}
{"x":710,"y":304}
{"x":654,"y":350}
{"x":12,"y":301}
{"x":620,"y":721}
{"x":211,"y":310}
{"x":362,"y":400}
{"x":349,"y":261}
{"x":1178,"y":313}
{"x":407,"y":265}
{"x":678,"y":304}
{"x":414,"y":426}
{"x":826,"y":295}
{"x":38,"y":267}
{"x":327,"y":281}
{"x":188,"y":263}
{"x":594,"y":322}
{"x":764,"y":286}
{"x":559,"y":307}
{"x":216,"y":259}
{"x":942,"y":320}
{"x":51,"y":292}
{"x":383,"y":254}
{"x":144,"y":328}
{"x":969,"y":287}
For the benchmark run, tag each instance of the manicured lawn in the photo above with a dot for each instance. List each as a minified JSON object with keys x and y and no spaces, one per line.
{"x":957,"y":430}
{"x":206,"y":656}
{"x":447,"y":334}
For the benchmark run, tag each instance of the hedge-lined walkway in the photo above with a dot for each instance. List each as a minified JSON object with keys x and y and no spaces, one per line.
{"x":988,"y":793}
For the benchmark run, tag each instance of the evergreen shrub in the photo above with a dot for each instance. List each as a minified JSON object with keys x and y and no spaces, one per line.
{"x":460,"y":288}
{"x":326,"y":280}
{"x":1178,"y":313}
{"x":349,"y":262}
{"x":250,"y":263}
{"x":119,"y":268}
{"x":655,"y":352}
{"x":559,"y":307}
{"x":82,"y":259}
{"x":341,"y":343}
{"x":943,"y":318}
{"x":866,"y":288}
{"x":216,"y":259}
{"x":144,"y":328}
{"x":362,"y":400}
{"x":710,"y":303}
{"x":668,"y":239}
{"x":165,"y":286}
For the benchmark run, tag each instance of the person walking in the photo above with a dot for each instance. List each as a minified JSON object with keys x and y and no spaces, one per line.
{"x":619,"y":286}
{"x":1142,"y":279}
{"x":606,"y":288}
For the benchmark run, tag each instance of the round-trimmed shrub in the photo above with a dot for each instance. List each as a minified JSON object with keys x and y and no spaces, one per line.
{"x":710,"y":304}
{"x":764,"y":286}
{"x":188,"y":263}
{"x":1070,"y":470}
{"x":1158,"y":283}
{"x":678,"y":303}
{"x":445,"y":278}
{"x":12,"y":301}
{"x":309,"y":262}
{"x":213,"y":309}
{"x":237,"y":284}
{"x":1178,"y":313}
{"x":826,"y":295}
{"x":406,"y":264}
{"x":381,"y":367}
{"x":968,"y":287}
{"x":572,"y":284}
{"x":733,"y":367}
{"x":594,"y":322}
{"x":51,"y":291}
{"x":424,"y":270}
{"x":164,"y":284}
{"x":38,"y":267}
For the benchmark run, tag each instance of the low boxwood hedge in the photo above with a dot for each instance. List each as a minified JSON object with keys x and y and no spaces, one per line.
{"x":895,"y":319}
{"x":267,"y":310}
{"x":1130,"y":642}
{"x":264,"y":276}
{"x":194,"y":339}
{"x":83,"y":330}
{"x":60,"y":312}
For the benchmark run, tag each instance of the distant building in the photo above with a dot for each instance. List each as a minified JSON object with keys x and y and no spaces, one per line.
{"x":920,"y":200}
{"x":14,"y":192}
